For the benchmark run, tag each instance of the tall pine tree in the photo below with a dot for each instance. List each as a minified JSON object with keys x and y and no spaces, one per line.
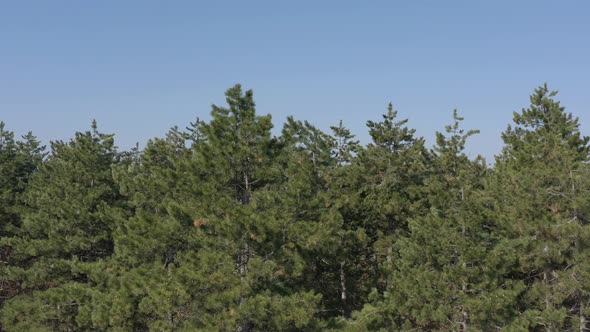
{"x":74,"y":206}
{"x":540,"y":183}
{"x":18,"y":162}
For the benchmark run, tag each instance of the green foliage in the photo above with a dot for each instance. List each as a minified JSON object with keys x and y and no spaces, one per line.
{"x":19,"y":160}
{"x":72,"y":208}
{"x":540,"y":177}
{"x":225,"y":227}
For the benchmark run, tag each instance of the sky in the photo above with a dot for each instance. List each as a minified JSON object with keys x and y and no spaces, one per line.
{"x":141,"y":67}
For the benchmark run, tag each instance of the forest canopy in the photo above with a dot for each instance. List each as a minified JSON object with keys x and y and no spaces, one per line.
{"x":223,"y":226}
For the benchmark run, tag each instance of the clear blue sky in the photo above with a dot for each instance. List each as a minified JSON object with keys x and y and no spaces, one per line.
{"x":140,"y":67}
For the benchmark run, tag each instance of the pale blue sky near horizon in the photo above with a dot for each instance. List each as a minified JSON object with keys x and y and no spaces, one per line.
{"x":141,"y":67}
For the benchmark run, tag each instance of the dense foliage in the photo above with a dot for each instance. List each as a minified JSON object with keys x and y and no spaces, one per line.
{"x":226,"y":227}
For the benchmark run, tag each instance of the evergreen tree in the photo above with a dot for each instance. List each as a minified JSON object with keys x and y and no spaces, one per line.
{"x":440,"y":280}
{"x":350,"y":258}
{"x":224,"y":227}
{"x":73,"y":208}
{"x":319,"y":177}
{"x":217,"y":254}
{"x":539,"y":184}
{"x":395,"y":164}
{"x":392,"y":171}
{"x":146,"y":244}
{"x":18,"y":161}
{"x":238,"y":165}
{"x":235,"y":151}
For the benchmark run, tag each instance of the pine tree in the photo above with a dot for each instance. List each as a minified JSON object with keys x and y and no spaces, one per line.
{"x":73,"y":204}
{"x":18,"y":161}
{"x":540,"y":181}
{"x":392,"y":169}
{"x":312,"y":234}
{"x":315,"y":205}
{"x":147,"y":243}
{"x":241,"y":177}
{"x":352,"y":253}
{"x":210,"y":216}
{"x":395,"y":164}
{"x":225,"y":227}
{"x":235,"y":151}
{"x":440,"y":280}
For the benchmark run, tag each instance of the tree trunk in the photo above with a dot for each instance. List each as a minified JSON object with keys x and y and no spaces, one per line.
{"x":582,"y":316}
{"x":244,"y":325}
{"x":343,"y":289}
{"x":548,"y":304}
{"x":242,"y":262}
{"x":546,"y":282}
{"x":464,"y":314}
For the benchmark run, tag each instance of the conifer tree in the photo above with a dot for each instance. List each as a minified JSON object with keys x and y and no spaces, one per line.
{"x":18,"y":161}
{"x":540,"y":179}
{"x":312,"y":234}
{"x":147,"y":243}
{"x":396,"y":164}
{"x":317,"y":171}
{"x":344,"y":179}
{"x":73,"y":208}
{"x":392,"y":168}
{"x":440,"y":280}
{"x":218,"y":255}
{"x":225,"y":227}
{"x":238,"y":163}
{"x":235,"y":151}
